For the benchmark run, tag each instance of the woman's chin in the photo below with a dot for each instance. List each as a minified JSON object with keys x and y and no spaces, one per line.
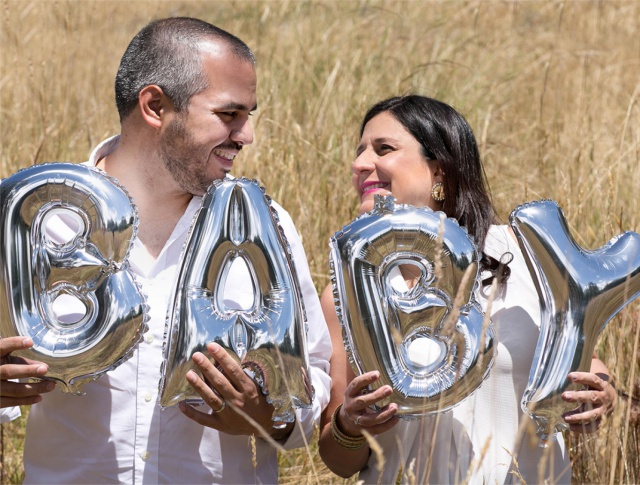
{"x":365,"y":206}
{"x":368,"y":201}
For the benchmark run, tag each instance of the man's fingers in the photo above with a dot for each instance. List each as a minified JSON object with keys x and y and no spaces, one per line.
{"x":20,"y":371}
{"x":594,"y":398}
{"x":205,"y":419}
{"x":213,"y":378}
{"x":211,"y":397}
{"x":21,"y":394}
{"x":6,"y":402}
{"x":9,"y":344}
{"x":231,"y":369}
{"x":17,"y":367}
{"x":20,"y":390}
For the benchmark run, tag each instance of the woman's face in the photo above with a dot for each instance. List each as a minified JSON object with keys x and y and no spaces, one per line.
{"x":389,"y":161}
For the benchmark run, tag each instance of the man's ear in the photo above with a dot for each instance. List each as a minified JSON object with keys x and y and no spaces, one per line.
{"x":153,"y":105}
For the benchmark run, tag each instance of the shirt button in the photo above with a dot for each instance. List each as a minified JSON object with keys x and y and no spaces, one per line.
{"x":145,"y":455}
{"x":147,"y":397}
{"x":148,"y":337}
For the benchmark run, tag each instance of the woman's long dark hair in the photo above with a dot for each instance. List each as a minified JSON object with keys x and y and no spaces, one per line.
{"x":445,"y":136}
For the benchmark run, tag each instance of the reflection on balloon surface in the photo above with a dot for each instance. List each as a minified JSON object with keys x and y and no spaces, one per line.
{"x":579,"y":292}
{"x":432,"y":352}
{"x":237,"y":227}
{"x":66,"y":233}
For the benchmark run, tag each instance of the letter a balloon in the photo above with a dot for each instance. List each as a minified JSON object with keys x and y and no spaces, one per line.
{"x":236,"y":220}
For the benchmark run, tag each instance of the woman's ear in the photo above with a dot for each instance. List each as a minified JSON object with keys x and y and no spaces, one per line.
{"x":153,"y":103}
{"x":438,"y":173}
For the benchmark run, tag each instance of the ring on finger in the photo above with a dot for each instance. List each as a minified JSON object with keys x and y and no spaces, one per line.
{"x":224,"y":405}
{"x":358,"y":420}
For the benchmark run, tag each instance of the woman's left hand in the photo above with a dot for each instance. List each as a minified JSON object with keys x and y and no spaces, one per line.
{"x":596,"y":401}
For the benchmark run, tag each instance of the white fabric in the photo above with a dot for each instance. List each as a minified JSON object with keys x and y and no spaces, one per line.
{"x":475,"y":442}
{"x":9,"y":414}
{"x":118,"y":433}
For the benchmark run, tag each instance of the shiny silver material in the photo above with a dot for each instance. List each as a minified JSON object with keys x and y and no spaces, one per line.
{"x":66,"y":232}
{"x":381,"y":322}
{"x":236,"y":220}
{"x":579,"y":291}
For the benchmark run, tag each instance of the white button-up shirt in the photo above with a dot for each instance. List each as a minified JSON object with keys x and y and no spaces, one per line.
{"x":118,"y":433}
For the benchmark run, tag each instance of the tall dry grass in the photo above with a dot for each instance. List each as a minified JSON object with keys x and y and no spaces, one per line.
{"x":550,"y":88}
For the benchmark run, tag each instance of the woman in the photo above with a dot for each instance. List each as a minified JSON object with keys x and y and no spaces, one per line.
{"x":424,"y":153}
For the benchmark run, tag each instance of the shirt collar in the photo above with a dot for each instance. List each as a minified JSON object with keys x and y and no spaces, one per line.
{"x":103,"y":149}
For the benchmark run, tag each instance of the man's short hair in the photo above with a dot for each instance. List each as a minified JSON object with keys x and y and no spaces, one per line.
{"x":168,"y":53}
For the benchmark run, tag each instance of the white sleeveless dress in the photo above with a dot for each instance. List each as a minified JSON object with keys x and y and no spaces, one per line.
{"x":486,"y":438}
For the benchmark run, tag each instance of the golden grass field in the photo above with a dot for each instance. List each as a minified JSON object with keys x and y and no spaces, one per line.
{"x":552,"y":90}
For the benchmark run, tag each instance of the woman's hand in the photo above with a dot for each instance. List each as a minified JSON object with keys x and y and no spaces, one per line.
{"x":596,"y":401}
{"x":356,"y":414}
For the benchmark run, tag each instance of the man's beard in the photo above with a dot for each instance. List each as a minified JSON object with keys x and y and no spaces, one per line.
{"x":182,"y":159}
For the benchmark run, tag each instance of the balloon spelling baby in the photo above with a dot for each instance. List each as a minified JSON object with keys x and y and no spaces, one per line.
{"x":579,"y":291}
{"x":236,"y":222}
{"x":386,"y":328}
{"x":65,"y":282}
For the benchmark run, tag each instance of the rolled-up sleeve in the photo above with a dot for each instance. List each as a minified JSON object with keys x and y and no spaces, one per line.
{"x":318,"y":340}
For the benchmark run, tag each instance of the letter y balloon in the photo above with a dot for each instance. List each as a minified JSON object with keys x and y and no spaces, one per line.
{"x":579,"y":291}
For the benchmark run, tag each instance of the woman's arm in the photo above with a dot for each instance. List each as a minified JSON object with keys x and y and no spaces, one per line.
{"x":347,"y":390}
{"x":598,"y":400}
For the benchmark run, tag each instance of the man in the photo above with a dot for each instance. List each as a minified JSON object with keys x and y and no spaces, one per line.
{"x":184,"y":90}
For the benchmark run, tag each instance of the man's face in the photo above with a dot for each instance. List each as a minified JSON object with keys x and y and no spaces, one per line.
{"x":199,"y":144}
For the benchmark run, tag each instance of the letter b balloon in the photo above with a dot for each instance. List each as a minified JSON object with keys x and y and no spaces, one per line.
{"x":66,"y":232}
{"x":431,"y":360}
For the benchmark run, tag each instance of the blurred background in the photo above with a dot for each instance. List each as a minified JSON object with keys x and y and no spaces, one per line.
{"x":550,"y":88}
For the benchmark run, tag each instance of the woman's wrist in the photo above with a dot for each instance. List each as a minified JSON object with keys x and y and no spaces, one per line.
{"x":344,"y":425}
{"x":345,"y":440}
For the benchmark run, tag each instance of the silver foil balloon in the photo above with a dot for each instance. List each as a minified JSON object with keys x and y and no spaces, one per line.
{"x":579,"y":292}
{"x":66,"y":232}
{"x":236,"y":220}
{"x":382,"y":322}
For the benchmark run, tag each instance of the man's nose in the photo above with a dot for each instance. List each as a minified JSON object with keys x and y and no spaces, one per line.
{"x":243,"y":134}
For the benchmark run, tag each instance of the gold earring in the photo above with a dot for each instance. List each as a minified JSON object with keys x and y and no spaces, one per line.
{"x":437,"y":192}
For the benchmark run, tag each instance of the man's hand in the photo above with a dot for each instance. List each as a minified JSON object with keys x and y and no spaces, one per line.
{"x":231,"y":394}
{"x":17,"y":393}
